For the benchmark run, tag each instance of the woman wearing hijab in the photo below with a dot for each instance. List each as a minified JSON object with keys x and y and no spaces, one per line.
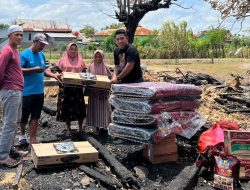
{"x":71,"y":105}
{"x":99,"y":109}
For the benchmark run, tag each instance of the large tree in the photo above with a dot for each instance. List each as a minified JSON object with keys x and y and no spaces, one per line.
{"x":132,"y":11}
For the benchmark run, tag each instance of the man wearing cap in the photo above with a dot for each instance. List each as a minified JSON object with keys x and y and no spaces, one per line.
{"x":11,"y":86}
{"x":34,"y":68}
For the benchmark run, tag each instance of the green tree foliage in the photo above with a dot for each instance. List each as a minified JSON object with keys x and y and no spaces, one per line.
{"x":114,"y":26}
{"x":175,"y":39}
{"x":2,"y":25}
{"x":109,"y":43}
{"x":201,"y":48}
{"x":217,"y":38}
{"x":236,"y":42}
{"x":88,"y":31}
{"x":148,"y":46}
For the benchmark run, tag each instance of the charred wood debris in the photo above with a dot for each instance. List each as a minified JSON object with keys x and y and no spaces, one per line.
{"x":234,"y":96}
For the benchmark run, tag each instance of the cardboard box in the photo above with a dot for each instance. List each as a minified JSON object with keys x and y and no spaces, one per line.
{"x":101,"y":81}
{"x":162,"y":151}
{"x":45,"y":154}
{"x":237,"y":142}
{"x":244,"y":166}
{"x":164,"y":158}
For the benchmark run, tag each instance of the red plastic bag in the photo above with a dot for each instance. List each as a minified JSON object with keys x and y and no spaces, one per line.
{"x":215,"y":134}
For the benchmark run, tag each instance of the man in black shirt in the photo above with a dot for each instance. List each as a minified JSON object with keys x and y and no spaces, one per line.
{"x":127,"y":60}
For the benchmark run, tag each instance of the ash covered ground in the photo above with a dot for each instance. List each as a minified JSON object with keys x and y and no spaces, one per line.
{"x":129,"y":153}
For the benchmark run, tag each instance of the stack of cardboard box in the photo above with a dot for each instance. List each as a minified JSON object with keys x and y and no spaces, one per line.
{"x":238,"y":144}
{"x":162,"y":151}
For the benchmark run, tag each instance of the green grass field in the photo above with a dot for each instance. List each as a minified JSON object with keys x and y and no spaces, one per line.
{"x":221,"y":68}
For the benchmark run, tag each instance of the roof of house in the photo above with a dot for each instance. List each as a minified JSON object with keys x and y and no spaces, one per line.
{"x":198,"y":35}
{"x":44,"y":25}
{"x":60,"y":35}
{"x":140,"y":31}
{"x":106,"y":32}
{"x":81,"y":37}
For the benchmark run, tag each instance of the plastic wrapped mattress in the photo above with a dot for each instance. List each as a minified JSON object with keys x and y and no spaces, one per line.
{"x":138,"y":134}
{"x":146,"y":106}
{"x":129,"y":118}
{"x":155,"y":89}
{"x":185,"y":124}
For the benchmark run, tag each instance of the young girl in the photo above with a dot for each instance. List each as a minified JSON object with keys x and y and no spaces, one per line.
{"x":99,"y":109}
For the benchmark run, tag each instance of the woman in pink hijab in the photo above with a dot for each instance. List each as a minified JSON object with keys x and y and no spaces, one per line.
{"x":71,"y":105}
{"x":98,"y":66}
{"x":99,"y":109}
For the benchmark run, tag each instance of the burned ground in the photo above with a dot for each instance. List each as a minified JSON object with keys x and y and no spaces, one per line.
{"x":130,"y":154}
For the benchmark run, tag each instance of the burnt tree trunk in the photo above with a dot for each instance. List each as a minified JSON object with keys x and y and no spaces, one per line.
{"x":131,"y":14}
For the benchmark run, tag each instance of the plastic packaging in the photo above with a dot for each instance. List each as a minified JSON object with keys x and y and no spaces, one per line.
{"x":155,"y":89}
{"x":190,"y":122}
{"x":138,"y":134}
{"x":88,"y":75}
{"x":226,"y":171}
{"x":129,"y":118}
{"x":143,"y":105}
{"x":185,"y":124}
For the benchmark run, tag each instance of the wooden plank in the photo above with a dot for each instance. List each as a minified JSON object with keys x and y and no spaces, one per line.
{"x":18,"y":176}
{"x":75,"y":79}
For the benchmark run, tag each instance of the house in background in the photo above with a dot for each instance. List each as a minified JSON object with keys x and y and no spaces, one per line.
{"x":140,"y":32}
{"x":81,"y":39}
{"x":3,"y":37}
{"x":201,"y":35}
{"x":56,"y":31}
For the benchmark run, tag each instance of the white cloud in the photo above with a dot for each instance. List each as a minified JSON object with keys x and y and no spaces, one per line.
{"x":81,"y":12}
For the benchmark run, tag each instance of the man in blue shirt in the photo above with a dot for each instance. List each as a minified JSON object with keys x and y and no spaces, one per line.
{"x":33,"y":68}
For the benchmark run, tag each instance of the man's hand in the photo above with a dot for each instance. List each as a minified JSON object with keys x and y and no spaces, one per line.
{"x":38,"y":69}
{"x":114,"y":80}
{"x":58,"y":77}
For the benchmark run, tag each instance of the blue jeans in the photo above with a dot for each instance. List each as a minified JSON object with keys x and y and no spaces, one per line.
{"x":12,"y":109}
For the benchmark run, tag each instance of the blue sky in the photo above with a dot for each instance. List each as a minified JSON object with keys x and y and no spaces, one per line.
{"x":78,"y":13}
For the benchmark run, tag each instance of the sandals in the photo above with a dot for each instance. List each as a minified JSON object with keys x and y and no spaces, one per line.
{"x":9,"y":163}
